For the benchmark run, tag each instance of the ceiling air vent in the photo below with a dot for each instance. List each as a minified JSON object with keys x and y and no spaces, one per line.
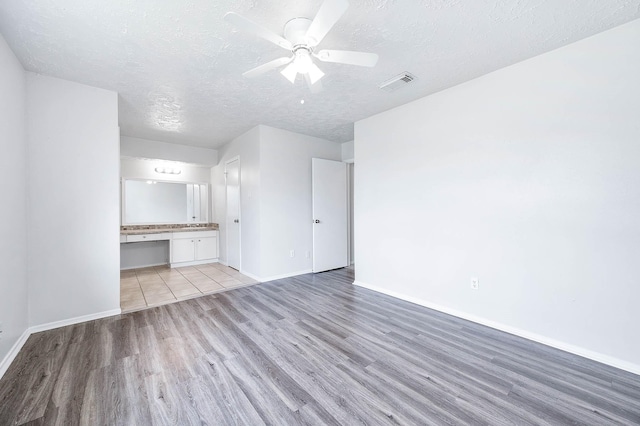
{"x":397,"y":82}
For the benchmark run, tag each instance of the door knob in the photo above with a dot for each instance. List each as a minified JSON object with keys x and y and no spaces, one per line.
{"x":316,"y":221}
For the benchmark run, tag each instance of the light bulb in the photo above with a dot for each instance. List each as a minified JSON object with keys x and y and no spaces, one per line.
{"x":302,"y":61}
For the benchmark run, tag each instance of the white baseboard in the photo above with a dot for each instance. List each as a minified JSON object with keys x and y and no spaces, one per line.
{"x":8,"y":359}
{"x":275,"y":277}
{"x":250,"y":275}
{"x":279,"y":277}
{"x":193,"y":263}
{"x":567,"y":347}
{"x":13,"y":352}
{"x":75,"y":320}
{"x":143,"y":266}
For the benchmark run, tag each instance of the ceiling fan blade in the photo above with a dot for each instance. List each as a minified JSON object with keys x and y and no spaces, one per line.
{"x":313,"y":87}
{"x":314,"y":73}
{"x":348,"y":57}
{"x":290,"y":72}
{"x":267,"y":67}
{"x":248,"y":26}
{"x":328,"y":15}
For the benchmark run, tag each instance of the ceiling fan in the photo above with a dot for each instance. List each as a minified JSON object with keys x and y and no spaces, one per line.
{"x":301,"y":37}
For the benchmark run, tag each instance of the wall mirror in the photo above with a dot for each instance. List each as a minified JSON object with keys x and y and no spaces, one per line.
{"x":146,"y":202}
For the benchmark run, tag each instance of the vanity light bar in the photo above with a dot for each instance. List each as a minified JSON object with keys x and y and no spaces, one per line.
{"x":168,"y":170}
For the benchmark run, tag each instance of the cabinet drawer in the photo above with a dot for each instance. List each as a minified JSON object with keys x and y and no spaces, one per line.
{"x":194,"y":234}
{"x":148,"y":237}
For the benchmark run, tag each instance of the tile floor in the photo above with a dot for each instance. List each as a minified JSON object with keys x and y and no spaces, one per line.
{"x":159,"y":285}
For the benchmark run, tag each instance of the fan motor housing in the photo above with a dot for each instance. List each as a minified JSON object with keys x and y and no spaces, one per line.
{"x":296,"y":29}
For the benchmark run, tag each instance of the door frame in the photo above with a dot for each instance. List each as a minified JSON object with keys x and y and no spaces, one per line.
{"x":226,"y":210}
{"x":351,"y":177}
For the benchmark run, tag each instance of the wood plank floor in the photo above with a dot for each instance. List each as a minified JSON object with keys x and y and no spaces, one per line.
{"x":306,"y":350}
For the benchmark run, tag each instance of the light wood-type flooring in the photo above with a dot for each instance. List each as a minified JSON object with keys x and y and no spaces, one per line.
{"x":309,"y":350}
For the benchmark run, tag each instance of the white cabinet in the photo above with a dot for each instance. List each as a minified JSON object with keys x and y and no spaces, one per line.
{"x":206,"y":248}
{"x":183,"y":250}
{"x":194,"y":247}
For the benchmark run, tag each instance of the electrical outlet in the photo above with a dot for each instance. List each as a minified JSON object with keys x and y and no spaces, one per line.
{"x":292,"y":253}
{"x":475,"y":283}
{"x":308,"y":254}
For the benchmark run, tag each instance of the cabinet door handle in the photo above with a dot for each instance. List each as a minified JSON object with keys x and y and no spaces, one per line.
{"x":199,"y":240}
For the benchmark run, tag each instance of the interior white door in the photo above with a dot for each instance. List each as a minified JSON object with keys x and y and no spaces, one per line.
{"x":232,"y":173}
{"x":330,"y":214}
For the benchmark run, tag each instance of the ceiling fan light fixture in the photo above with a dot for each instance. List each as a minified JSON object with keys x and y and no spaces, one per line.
{"x":301,"y":36}
{"x":315,"y":73}
{"x":290,"y":72}
{"x":302,"y":61}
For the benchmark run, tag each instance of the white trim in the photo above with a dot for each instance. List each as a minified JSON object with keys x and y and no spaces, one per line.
{"x":567,"y":347}
{"x":276,"y":277}
{"x":279,"y":277}
{"x":13,"y":352}
{"x":15,"y":349}
{"x":250,"y":275}
{"x":142,"y":266}
{"x":192,"y":263}
{"x":75,"y":320}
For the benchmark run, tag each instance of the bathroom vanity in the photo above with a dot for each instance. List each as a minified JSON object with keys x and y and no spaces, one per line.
{"x":183,"y":245}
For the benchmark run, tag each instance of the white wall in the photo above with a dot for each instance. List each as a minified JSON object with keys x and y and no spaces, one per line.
{"x":275,"y":175}
{"x":528,"y":178}
{"x":73,"y":196}
{"x":247,"y":147}
{"x":13,"y":214}
{"x":285,"y":206}
{"x":144,"y":148}
{"x":141,"y":168}
{"x":347,"y":151}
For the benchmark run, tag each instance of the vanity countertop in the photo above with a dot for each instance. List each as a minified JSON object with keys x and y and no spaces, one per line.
{"x":159,"y":229}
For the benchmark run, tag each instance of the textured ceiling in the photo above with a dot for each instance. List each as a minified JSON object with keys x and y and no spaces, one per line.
{"x":177,"y":64}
